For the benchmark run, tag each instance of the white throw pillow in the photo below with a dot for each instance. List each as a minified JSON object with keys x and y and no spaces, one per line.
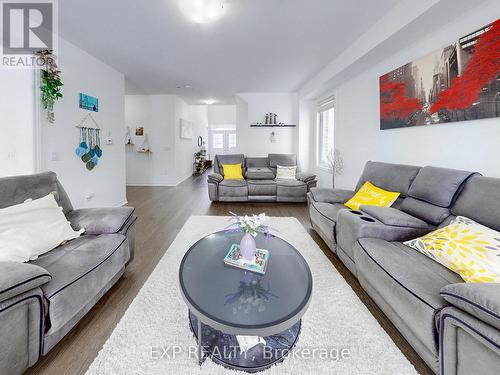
{"x":33,"y":228}
{"x":286,"y":172}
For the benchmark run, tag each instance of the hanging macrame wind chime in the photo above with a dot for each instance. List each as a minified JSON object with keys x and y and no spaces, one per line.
{"x":89,"y":150}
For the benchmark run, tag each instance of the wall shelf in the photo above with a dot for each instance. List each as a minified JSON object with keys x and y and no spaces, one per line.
{"x":272,"y":126}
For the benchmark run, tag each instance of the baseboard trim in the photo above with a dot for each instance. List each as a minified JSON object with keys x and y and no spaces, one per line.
{"x":175,"y":183}
{"x":148,"y":184}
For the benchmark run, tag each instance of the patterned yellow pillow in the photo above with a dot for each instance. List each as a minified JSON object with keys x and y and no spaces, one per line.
{"x":465,"y":247}
{"x":370,"y":195}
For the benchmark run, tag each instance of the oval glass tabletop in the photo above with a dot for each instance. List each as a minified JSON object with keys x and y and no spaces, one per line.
{"x":242,"y":299}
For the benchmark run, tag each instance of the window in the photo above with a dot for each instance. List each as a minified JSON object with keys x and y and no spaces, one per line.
{"x":325,"y":136}
{"x":222,"y":141}
{"x":218,"y":140}
{"x":231,"y":140}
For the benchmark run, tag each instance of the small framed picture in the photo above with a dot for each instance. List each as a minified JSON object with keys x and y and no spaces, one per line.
{"x":139,"y":131}
{"x":90,"y":103}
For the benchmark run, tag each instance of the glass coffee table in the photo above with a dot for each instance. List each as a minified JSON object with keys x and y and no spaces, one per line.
{"x":225,"y":302}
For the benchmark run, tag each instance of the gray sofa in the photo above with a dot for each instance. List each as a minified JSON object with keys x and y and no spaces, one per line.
{"x":452,"y":325}
{"x":42,"y":300}
{"x":260,"y":183}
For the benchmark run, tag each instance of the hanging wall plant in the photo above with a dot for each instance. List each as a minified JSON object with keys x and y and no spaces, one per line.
{"x":50,"y":85}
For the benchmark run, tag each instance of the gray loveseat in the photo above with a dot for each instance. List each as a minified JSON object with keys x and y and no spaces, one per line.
{"x":42,"y":300}
{"x":260,"y":183}
{"x":452,"y":325}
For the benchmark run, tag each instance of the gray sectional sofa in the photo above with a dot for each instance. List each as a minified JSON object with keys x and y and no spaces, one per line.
{"x":260,"y":183}
{"x":42,"y":300}
{"x":453,"y":326}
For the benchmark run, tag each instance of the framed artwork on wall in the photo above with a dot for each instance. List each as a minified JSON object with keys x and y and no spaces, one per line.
{"x":459,"y":82}
{"x":90,"y":103}
{"x":186,"y":131}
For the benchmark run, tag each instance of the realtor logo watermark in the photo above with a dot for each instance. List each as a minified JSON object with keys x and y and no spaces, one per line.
{"x":27,"y":27}
{"x":333,"y":354}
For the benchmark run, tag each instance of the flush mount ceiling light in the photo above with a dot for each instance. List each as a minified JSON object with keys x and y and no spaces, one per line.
{"x":209,"y":101}
{"x":202,"y":11}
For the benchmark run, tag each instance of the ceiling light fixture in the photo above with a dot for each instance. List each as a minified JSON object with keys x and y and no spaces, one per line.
{"x":202,"y":11}
{"x":209,"y":101}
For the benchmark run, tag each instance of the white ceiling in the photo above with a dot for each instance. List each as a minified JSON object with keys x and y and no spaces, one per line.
{"x":258,"y":46}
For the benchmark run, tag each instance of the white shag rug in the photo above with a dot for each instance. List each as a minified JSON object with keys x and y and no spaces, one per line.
{"x":156,"y":323}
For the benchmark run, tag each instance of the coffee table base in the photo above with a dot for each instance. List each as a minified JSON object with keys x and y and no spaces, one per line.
{"x":224,"y":348}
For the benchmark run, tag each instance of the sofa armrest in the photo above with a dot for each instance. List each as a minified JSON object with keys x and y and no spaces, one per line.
{"x":393,"y":217}
{"x":100,"y":220}
{"x":466,"y":342}
{"x":215,"y":177}
{"x":331,"y":195}
{"x":17,"y":278}
{"x":305,"y":176}
{"x":481,"y":300}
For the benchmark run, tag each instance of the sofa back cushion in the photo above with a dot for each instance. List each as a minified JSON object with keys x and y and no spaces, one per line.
{"x":228,"y":159}
{"x":286,"y":160}
{"x":257,"y":162}
{"x":16,"y":189}
{"x":433,"y":192}
{"x":438,"y":186}
{"x":480,"y":201}
{"x":391,"y":177}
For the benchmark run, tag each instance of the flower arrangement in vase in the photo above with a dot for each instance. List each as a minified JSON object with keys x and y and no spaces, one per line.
{"x":250,"y":226}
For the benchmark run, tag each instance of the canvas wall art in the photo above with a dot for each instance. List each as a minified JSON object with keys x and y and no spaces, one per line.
{"x":89,"y":103}
{"x":186,"y":129}
{"x":456,"y":83}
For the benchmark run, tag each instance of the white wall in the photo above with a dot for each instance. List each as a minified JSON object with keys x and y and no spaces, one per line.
{"x":155,"y":114}
{"x":186,"y":148}
{"x":17,"y":109}
{"x":470,"y":145}
{"x":222,"y":116}
{"x":252,"y":108}
{"x":84,"y":73}
{"x":171,"y":160}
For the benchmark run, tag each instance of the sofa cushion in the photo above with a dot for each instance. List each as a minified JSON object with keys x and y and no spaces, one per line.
{"x":16,"y":189}
{"x":392,"y":177}
{"x":324,"y":216}
{"x":480,"y":201}
{"x":259,"y":173}
{"x":291,"y":188}
{"x":393,"y":217}
{"x":408,"y":282}
{"x":261,"y":187}
{"x":233,"y":188}
{"x":428,"y":212}
{"x":259,"y":162}
{"x":228,"y":159}
{"x":80,"y":270}
{"x":286,"y":160}
{"x":438,"y":186}
{"x":100,"y":220}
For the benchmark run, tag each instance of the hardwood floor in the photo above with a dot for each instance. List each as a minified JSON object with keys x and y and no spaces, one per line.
{"x":162,"y":212}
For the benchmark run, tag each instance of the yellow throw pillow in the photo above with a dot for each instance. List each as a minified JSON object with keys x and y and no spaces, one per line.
{"x":232,"y":171}
{"x":465,"y":247}
{"x":370,"y":195}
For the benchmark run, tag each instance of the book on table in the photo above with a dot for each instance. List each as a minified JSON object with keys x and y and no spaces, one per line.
{"x":258,"y":264}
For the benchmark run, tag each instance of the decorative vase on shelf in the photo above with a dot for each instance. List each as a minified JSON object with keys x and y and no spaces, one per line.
{"x":248,"y":246}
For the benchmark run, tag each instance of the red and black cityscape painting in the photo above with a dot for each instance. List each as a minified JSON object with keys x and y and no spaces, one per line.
{"x":457,"y":83}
